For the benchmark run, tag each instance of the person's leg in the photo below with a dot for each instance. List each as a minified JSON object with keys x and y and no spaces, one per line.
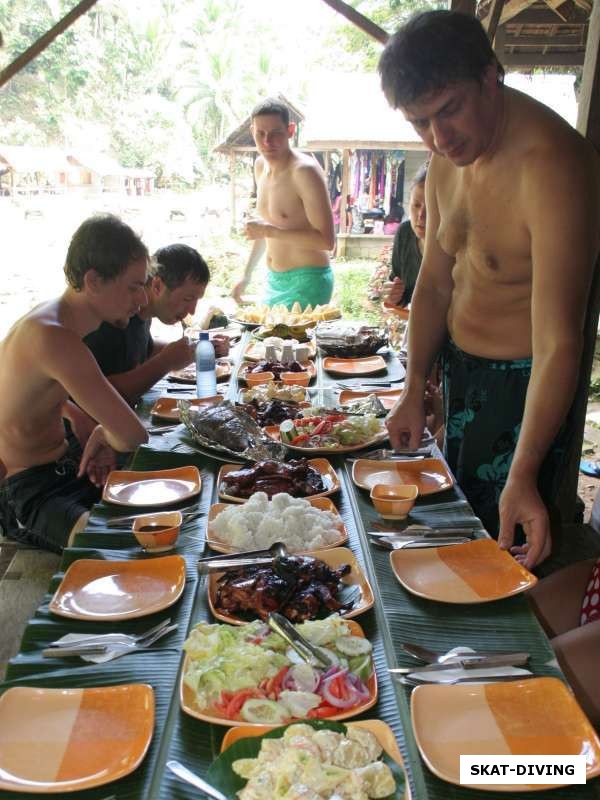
{"x":557,"y":599}
{"x":578,"y":653}
{"x":45,"y":502}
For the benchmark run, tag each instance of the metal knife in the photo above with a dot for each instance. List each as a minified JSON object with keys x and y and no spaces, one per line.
{"x":78,"y":650}
{"x":443,"y":532}
{"x":472,"y":662}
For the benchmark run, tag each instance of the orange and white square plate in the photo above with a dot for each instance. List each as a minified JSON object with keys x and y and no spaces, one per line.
{"x":322,"y":503}
{"x":166,"y":407}
{"x":150,"y":488}
{"x":54,"y":741}
{"x":474,"y":572}
{"x":111,"y":591}
{"x":536,"y":717}
{"x":429,"y":475}
{"x":323,"y":467}
{"x":334,"y":558}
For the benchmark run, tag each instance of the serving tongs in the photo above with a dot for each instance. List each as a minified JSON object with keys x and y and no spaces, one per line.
{"x":305,"y":649}
{"x":226,"y":562}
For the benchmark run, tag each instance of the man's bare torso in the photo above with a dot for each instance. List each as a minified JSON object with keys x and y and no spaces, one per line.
{"x":278,"y":203}
{"x":31,"y":426}
{"x":484,"y":226}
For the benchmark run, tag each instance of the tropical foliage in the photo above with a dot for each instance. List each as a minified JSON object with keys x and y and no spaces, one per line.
{"x":158,"y":83}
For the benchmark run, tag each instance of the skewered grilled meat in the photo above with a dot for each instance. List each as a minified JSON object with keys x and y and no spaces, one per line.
{"x":297,"y":478}
{"x":300,"y":587}
{"x":272,"y":412}
{"x":277,"y":367}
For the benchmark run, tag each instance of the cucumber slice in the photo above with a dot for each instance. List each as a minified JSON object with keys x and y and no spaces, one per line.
{"x":265,"y":711}
{"x":287,"y":431}
{"x":353,"y":645}
{"x":361,"y":666}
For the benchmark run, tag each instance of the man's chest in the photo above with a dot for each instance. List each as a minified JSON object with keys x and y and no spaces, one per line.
{"x":278,"y":201}
{"x":484,"y":222}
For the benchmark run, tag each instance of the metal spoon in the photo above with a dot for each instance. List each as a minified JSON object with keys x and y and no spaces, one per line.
{"x":184,"y":774}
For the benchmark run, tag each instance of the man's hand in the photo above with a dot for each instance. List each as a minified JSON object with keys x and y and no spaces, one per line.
{"x":257,"y":229}
{"x":98,"y":458}
{"x":521,"y":504}
{"x":393,"y":292}
{"x":406,"y":422}
{"x":238,"y":290}
{"x":179,"y":353}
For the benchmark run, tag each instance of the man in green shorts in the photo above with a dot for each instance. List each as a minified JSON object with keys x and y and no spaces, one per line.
{"x":295,"y":226}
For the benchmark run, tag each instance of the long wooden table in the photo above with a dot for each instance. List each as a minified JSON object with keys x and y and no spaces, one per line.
{"x":397,"y":616}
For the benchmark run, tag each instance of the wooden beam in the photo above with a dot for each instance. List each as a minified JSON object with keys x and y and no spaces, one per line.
{"x":577,"y":39}
{"x":493,"y":18}
{"x":464,"y":6}
{"x":356,"y":18}
{"x":42,"y":43}
{"x":514,"y":7}
{"x":588,"y":118}
{"x":533,"y":16}
{"x":517,"y":60}
{"x":232,"y":160}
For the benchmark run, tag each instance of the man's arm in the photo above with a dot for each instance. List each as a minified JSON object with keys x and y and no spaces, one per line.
{"x":67,"y":360}
{"x":319,"y":233}
{"x":174,"y":355}
{"x":562,"y":207}
{"x":256,"y":253}
{"x":427,"y":326}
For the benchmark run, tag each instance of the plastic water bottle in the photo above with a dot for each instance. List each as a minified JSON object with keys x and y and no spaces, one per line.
{"x":206,"y":375}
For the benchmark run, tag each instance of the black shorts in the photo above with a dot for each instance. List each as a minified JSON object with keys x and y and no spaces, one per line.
{"x":484,"y":400}
{"x":40,"y":505}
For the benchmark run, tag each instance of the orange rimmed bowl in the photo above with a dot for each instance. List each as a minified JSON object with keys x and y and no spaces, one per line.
{"x":158,"y":532}
{"x":393,"y":502}
{"x":296,"y":378}
{"x":256,"y":378}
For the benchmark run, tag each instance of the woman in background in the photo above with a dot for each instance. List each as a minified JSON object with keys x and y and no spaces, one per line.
{"x":408,"y":247}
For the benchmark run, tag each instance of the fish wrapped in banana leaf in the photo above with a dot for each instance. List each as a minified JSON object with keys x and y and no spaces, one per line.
{"x":229,"y":429}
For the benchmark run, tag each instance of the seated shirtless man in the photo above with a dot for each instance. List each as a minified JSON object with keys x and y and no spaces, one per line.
{"x":512,"y":237}
{"x":296,"y":221}
{"x":52,"y":480}
{"x":127,"y":353}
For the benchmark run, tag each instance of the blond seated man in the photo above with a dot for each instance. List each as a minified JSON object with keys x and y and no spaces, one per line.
{"x":52,"y":479}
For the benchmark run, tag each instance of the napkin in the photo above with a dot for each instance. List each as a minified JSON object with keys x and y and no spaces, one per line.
{"x":113,"y":650}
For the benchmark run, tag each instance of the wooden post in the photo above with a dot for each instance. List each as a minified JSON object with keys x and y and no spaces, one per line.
{"x":344,"y":204}
{"x":588,"y":124}
{"x":42,"y":43}
{"x":493,"y":18}
{"x":232,"y":159}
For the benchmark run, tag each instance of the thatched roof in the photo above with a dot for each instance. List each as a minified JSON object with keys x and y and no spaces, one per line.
{"x":27,"y":158}
{"x":241,"y":138}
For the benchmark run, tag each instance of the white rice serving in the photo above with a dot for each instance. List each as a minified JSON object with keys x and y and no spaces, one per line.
{"x":291,"y":520}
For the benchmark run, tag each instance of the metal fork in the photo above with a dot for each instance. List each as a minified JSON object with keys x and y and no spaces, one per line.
{"x":417,"y":544}
{"x":115,"y":649}
{"x":115,"y":638}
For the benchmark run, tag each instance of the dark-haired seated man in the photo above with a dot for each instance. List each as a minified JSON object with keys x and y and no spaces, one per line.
{"x":512,"y":197}
{"x":52,"y":479}
{"x":126,"y":352}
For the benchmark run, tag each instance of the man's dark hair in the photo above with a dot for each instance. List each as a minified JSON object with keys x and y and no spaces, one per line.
{"x":433,"y":50}
{"x":176,"y":263}
{"x":272,"y":106}
{"x":103,"y":243}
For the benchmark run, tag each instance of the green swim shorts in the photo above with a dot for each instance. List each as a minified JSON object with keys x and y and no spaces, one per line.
{"x":305,"y":285}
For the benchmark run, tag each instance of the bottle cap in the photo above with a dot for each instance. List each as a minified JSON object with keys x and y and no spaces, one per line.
{"x":204,"y":336}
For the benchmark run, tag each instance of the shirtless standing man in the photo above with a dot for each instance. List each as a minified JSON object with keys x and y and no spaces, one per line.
{"x":296,"y":222}
{"x":51,"y":482}
{"x":512,"y":237}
